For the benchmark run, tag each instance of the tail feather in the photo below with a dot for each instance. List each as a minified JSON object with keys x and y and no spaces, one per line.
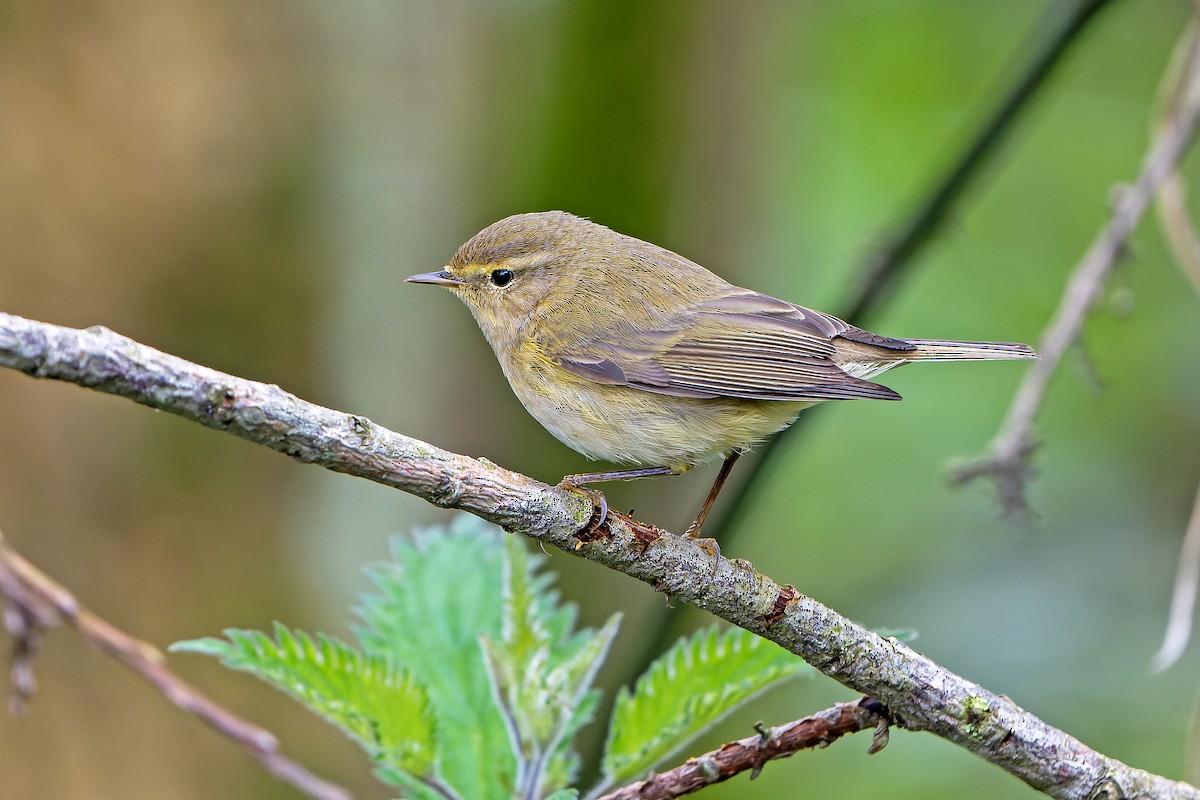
{"x":866,"y":360}
{"x":950,"y":350}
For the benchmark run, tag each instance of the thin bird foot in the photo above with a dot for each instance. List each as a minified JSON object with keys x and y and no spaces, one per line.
{"x":599,"y":508}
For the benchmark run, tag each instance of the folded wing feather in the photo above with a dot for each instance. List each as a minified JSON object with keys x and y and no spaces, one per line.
{"x":746,"y":345}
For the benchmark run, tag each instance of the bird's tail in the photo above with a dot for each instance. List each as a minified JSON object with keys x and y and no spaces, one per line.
{"x":949,"y":350}
{"x":865,"y":355}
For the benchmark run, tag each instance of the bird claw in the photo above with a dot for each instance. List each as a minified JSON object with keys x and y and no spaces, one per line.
{"x":599,"y":509}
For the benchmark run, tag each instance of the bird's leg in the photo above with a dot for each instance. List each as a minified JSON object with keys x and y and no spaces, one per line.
{"x":616,"y":475}
{"x":693,"y":530}
{"x":578,"y":481}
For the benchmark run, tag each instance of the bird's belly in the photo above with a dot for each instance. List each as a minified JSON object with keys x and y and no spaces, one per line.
{"x":631,"y":426}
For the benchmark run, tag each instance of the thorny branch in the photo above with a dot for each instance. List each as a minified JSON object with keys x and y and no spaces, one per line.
{"x":750,"y":754}
{"x":1007,"y":458}
{"x":918,"y":693}
{"x":34,"y":602}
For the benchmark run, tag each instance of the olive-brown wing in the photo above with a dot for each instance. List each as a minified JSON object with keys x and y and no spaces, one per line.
{"x":748,"y":346}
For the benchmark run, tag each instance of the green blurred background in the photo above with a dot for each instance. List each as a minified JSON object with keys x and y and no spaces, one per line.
{"x":247,"y":184}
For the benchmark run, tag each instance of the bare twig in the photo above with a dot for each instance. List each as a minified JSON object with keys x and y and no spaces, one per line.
{"x":1173,"y":216}
{"x":1177,"y":227}
{"x":1181,"y":236}
{"x":1183,"y":596}
{"x":920,"y":694}
{"x":750,"y":754}
{"x":1008,"y":455}
{"x":883,"y":268}
{"x":39,"y":602}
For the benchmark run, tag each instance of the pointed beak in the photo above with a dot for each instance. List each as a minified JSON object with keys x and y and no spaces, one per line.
{"x":442,"y":278}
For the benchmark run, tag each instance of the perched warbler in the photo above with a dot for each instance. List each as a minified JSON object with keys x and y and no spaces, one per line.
{"x":633,"y":354}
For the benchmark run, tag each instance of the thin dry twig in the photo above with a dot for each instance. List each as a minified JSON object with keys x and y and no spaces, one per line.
{"x":883,"y":268}
{"x":918,"y":693}
{"x":750,"y":754}
{"x":1177,"y":227}
{"x":1173,"y":215}
{"x":36,"y":602}
{"x":1007,"y":460}
{"x":1180,"y":234}
{"x":1183,"y":596}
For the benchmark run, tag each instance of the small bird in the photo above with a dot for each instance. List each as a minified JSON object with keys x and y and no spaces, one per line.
{"x":630,"y":353}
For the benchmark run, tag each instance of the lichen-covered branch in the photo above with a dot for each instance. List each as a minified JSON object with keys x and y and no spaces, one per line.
{"x":35,"y":601}
{"x":918,"y":693}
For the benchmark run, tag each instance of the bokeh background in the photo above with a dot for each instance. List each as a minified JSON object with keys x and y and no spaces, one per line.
{"x":247,"y":184}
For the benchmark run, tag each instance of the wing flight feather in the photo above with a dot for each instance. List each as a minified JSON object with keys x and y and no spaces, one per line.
{"x":745,"y":345}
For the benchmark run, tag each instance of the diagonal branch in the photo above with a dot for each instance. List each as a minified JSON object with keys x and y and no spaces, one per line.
{"x":36,"y":601}
{"x":749,"y":754}
{"x":919,"y":694}
{"x":885,"y":264}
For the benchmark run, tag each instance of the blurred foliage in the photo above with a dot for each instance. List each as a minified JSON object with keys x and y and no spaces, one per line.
{"x":248,"y":184}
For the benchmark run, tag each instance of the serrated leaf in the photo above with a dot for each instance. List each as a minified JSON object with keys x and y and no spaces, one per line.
{"x":691,"y":687}
{"x":376,"y":704}
{"x":570,"y":681}
{"x":521,"y":659}
{"x":541,"y":673}
{"x":432,"y":602}
{"x":467,"y":613}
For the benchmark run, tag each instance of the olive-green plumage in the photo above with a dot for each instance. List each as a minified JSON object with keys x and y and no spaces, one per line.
{"x":630,"y":353}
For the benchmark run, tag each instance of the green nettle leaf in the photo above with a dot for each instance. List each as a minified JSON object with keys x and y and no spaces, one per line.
{"x":376,"y":704}
{"x":442,"y":592}
{"x":470,"y":680}
{"x":434,"y":600}
{"x":690,"y":688}
{"x":541,"y":674}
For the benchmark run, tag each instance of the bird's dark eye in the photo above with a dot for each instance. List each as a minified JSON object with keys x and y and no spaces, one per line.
{"x":502,"y":277}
